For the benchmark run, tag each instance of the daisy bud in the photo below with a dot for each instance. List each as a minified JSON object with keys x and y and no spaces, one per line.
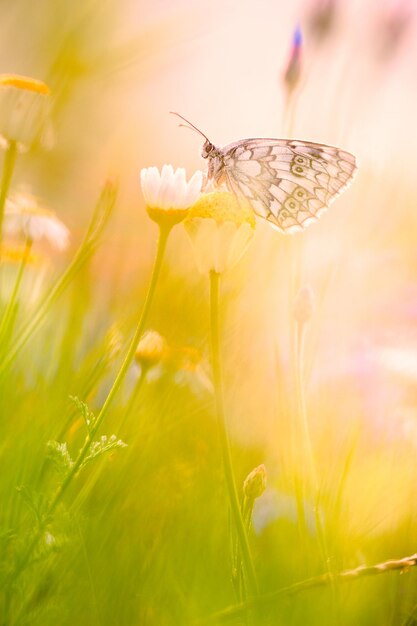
{"x":304,"y":305}
{"x":168,"y":195}
{"x":25,"y":106}
{"x":151,"y":350}
{"x":255,"y":483}
{"x":220,"y":227}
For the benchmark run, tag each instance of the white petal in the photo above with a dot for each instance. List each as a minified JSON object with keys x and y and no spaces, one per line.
{"x":169,"y":188}
{"x":165,"y":189}
{"x":194,"y":187}
{"x":180,"y":188}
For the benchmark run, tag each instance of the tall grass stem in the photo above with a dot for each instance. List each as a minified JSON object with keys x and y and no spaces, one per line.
{"x":224,"y":439}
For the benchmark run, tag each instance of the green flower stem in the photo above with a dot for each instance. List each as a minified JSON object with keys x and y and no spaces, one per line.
{"x":8,"y":313}
{"x":246,"y":512}
{"x":8,"y":168}
{"x":224,"y":439}
{"x":163,"y":238}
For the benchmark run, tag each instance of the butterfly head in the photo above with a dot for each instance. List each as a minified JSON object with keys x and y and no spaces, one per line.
{"x":208,"y":150}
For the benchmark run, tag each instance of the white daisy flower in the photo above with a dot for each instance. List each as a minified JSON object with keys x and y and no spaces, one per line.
{"x":24,"y":217}
{"x":167,"y":194}
{"x":25,"y":107}
{"x":220,"y":227}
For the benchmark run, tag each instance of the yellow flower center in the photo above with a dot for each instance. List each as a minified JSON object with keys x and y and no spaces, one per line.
{"x":223,"y":206}
{"x":24,"y":82}
{"x":34,"y":211}
{"x":16,"y":255}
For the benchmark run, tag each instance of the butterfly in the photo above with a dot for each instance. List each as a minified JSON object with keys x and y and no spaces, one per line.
{"x":288,"y":182}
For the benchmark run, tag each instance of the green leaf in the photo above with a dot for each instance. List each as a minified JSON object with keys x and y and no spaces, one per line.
{"x":84,"y":411}
{"x":104,"y":445}
{"x":59,"y":455}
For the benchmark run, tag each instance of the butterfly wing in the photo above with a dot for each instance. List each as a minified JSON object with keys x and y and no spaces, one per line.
{"x":289,"y":183}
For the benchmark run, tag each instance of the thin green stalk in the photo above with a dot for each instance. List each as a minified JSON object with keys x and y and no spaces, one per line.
{"x":224,"y":439}
{"x":5,"y":321}
{"x":363,"y":571}
{"x":163,"y":238}
{"x":246,"y":508}
{"x":8,"y":168}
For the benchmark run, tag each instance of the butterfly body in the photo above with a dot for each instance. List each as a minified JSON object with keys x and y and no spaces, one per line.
{"x":288,"y":182}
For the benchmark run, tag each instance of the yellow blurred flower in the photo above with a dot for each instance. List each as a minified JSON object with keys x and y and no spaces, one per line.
{"x":25,"y":217}
{"x":220,"y":226}
{"x":168,"y":195}
{"x":185,"y":364}
{"x":151,"y":350}
{"x":25,"y":106}
{"x":189,"y":366}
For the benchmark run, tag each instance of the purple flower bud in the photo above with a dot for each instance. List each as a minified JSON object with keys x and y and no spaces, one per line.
{"x":297,"y":38}
{"x":292,"y":73}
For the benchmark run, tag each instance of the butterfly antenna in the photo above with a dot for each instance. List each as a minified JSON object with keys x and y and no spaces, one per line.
{"x":189,"y":125}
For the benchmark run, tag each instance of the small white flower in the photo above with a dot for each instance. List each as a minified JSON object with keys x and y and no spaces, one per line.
{"x":25,"y":106}
{"x":24,"y":217}
{"x":167,"y":194}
